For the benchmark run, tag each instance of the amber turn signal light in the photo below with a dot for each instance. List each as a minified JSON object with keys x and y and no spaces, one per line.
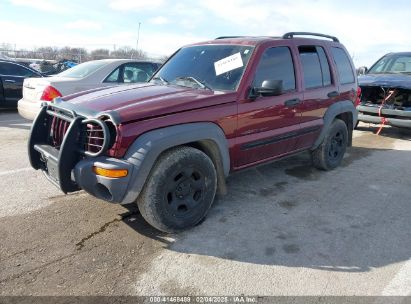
{"x":113,"y":173}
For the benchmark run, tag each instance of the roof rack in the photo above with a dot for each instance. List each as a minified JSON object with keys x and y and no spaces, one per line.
{"x":292,"y":34}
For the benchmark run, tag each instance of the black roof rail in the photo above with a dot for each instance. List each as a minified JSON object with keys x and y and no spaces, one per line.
{"x":292,"y":34}
{"x":228,"y":37}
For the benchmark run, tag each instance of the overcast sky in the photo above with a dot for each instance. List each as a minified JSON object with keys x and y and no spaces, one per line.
{"x":368,"y":29}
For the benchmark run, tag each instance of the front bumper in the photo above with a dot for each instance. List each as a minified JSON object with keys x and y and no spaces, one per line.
{"x":106,"y":188}
{"x":396,"y":118}
{"x":69,"y":167}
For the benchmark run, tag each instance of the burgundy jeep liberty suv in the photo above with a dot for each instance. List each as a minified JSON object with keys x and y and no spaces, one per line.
{"x":213,"y":108}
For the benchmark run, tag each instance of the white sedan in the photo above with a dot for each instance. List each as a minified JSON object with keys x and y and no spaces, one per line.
{"x":85,"y":76}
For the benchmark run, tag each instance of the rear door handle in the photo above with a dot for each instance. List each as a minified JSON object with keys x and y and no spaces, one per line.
{"x":333,"y":94}
{"x":292,"y":102}
{"x":9,"y":81}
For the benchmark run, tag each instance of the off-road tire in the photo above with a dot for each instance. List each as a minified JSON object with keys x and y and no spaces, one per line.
{"x":330,"y":153}
{"x":179,"y":191}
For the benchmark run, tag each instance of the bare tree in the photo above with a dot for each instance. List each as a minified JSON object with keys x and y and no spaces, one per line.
{"x":47,"y":52}
{"x":72,"y":53}
{"x":128,"y":52}
{"x":99,"y":54}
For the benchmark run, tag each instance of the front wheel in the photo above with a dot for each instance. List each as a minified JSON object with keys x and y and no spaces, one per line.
{"x":179,"y":190}
{"x":331,"y":151}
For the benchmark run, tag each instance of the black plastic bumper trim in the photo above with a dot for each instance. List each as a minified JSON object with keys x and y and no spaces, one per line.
{"x":272,"y":140}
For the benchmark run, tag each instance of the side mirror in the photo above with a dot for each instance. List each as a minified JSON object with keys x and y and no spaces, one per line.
{"x":268,"y":88}
{"x":362,"y":70}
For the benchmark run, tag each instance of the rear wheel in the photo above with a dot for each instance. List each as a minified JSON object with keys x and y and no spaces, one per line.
{"x":331,"y":151}
{"x":179,"y":190}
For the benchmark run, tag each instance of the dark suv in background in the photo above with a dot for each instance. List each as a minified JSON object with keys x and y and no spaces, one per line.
{"x":213,"y":108}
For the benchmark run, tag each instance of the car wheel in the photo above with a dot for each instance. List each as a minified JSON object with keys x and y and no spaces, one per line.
{"x":331,"y":151}
{"x":179,"y":190}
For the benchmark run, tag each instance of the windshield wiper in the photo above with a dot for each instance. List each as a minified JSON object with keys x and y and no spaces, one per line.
{"x":201,"y":84}
{"x":161,"y":79}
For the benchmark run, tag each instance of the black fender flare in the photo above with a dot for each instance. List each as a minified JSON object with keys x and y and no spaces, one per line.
{"x":145,"y":150}
{"x":332,"y":112}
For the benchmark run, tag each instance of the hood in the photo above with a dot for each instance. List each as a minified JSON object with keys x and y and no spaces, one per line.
{"x":142,"y":101}
{"x":386,"y":80}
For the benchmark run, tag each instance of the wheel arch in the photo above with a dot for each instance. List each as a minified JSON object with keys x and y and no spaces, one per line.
{"x":144,"y":152}
{"x":343,"y":110}
{"x":211,"y":149}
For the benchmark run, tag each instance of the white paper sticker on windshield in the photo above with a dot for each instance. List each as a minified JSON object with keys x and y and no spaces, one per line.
{"x":228,"y":64}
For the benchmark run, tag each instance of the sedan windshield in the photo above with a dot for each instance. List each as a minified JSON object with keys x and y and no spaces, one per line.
{"x":212,"y":67}
{"x":82,"y":70}
{"x":392,"y":64}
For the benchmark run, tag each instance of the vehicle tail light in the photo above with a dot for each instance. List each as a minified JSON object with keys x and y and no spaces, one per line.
{"x":358,"y":98}
{"x":50,"y":93}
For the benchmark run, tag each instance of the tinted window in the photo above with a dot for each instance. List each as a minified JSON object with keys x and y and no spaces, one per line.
{"x":316,"y":69}
{"x":15,"y":70}
{"x":276,"y":64}
{"x":343,"y":64}
{"x":311,"y":67}
{"x":325,"y":68}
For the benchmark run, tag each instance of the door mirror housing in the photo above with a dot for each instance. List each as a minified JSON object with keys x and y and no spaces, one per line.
{"x":362,"y":70}
{"x":268,"y":88}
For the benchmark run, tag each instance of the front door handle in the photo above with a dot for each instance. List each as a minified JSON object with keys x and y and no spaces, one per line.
{"x":9,"y":81}
{"x":292,"y":102}
{"x":333,"y":94}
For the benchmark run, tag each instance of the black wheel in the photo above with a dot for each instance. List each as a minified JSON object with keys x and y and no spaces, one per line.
{"x":179,"y":190}
{"x":331,"y":151}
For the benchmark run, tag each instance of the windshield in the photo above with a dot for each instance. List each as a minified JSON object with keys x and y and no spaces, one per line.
{"x":83,"y":70}
{"x":392,"y":64}
{"x":213,"y":67}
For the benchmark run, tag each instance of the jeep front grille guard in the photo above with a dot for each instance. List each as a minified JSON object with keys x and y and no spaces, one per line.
{"x":59,"y":138}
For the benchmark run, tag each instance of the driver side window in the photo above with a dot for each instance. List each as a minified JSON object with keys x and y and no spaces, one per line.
{"x":276,"y":64}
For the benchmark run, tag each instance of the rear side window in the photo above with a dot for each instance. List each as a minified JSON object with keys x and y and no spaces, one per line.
{"x":276,"y":64}
{"x":316,"y":69}
{"x":325,"y":67}
{"x":343,"y":64}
